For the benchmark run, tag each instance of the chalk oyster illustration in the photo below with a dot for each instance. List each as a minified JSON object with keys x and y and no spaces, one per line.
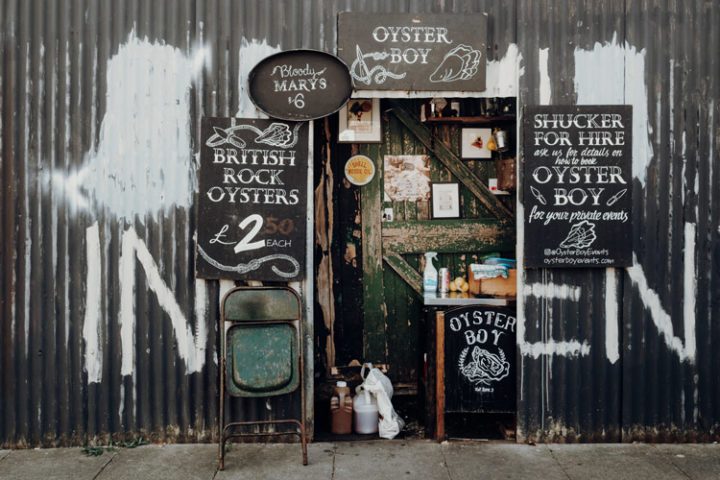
{"x":581,"y":235}
{"x":275,"y":135}
{"x":460,"y":63}
{"x":485,"y":367}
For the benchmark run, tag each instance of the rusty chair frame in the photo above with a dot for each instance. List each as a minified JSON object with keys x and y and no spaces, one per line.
{"x":230,"y":430}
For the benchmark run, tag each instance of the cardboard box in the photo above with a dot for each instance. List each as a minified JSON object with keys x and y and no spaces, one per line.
{"x":499,"y":287}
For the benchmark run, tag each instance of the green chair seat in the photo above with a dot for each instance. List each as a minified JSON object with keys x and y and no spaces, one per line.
{"x":262,"y":360}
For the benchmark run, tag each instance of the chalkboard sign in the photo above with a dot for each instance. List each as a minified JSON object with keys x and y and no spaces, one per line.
{"x":577,"y":186}
{"x":300,"y":85}
{"x":252,"y":199}
{"x":480,"y":360}
{"x":414,"y":52}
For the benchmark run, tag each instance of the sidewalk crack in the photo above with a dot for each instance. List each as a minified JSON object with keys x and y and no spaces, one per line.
{"x":562,"y":469}
{"x":97,"y":475}
{"x":677,"y":467}
{"x":445,"y":463}
{"x":332,"y":475}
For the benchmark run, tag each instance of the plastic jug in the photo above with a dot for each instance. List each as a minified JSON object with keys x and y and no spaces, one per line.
{"x":341,"y":408}
{"x":366,"y":412}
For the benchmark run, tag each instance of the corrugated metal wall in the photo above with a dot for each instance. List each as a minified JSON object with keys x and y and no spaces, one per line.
{"x":104,"y":330}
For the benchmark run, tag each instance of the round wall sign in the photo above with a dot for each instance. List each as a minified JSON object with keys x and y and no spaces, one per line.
{"x":359,"y":170}
{"x":300,"y":85}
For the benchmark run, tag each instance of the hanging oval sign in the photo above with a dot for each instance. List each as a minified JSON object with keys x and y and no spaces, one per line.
{"x":300,"y":85}
{"x":359,"y":170}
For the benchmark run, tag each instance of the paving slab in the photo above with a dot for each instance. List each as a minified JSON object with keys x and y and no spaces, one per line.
{"x":697,"y":461}
{"x":277,"y":461}
{"x":389,"y":460}
{"x":52,"y":464}
{"x":495,"y":460}
{"x":191,"y":462}
{"x":4,"y":453}
{"x":619,"y":462}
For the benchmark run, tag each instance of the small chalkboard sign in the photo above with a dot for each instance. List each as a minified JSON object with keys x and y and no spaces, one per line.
{"x":578,"y":186}
{"x":300,"y":85}
{"x":252,"y":199}
{"x":398,"y":51}
{"x":480,"y":361}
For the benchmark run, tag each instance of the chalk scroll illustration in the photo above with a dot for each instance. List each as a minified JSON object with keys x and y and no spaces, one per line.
{"x":361,"y":73}
{"x":485,"y":367}
{"x":254,"y":264}
{"x":460,"y":63}
{"x":276,"y":135}
{"x":581,"y":235}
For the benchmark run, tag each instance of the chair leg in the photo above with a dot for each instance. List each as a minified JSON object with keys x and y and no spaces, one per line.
{"x":221,"y":453}
{"x":303,"y":440}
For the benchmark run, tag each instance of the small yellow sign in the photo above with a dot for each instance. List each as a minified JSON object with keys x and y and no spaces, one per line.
{"x":359,"y":170}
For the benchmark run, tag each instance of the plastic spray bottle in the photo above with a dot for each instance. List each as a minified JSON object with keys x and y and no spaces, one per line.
{"x":430,"y":275}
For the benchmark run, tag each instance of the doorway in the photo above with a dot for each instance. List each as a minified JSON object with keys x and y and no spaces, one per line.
{"x":370,"y":239}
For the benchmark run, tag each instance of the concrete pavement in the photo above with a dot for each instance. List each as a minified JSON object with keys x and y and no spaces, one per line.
{"x":371,"y":460}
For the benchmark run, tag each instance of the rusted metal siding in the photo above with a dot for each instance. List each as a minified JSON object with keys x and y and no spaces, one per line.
{"x":54,"y":73}
{"x":657,"y":381}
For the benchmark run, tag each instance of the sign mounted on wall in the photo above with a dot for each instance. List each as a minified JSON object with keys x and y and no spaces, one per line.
{"x":577,"y":186}
{"x":414,"y":52}
{"x":480,"y":364}
{"x":300,"y":85}
{"x":359,"y":170}
{"x":251,"y":220}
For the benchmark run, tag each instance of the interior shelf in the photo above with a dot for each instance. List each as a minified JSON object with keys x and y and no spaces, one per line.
{"x":477,"y":120}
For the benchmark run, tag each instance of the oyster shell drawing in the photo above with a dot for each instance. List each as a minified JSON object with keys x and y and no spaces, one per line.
{"x":460,"y":63}
{"x":581,"y":235}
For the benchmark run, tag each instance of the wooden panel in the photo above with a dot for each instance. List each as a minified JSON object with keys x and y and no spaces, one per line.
{"x":405,"y":271}
{"x":452,"y":162}
{"x":375,"y":344}
{"x":451,"y":236}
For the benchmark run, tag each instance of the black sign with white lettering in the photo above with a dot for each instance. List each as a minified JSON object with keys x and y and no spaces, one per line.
{"x":578,"y":186}
{"x":252,"y":199}
{"x":480,"y":359}
{"x":414,"y":52}
{"x":300,"y":85}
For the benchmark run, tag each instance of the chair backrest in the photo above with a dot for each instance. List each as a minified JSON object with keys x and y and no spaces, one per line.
{"x":262,"y":351}
{"x":261,"y":303}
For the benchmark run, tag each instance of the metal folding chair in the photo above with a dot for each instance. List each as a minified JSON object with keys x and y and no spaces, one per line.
{"x":261,"y":356}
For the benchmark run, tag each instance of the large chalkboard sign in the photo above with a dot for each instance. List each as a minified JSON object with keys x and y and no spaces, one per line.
{"x":577,"y":186}
{"x":414,"y":52}
{"x":300,"y":85}
{"x":480,"y":360}
{"x":252,"y":199}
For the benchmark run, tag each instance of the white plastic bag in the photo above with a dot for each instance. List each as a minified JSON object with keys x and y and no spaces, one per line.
{"x":380,"y":386}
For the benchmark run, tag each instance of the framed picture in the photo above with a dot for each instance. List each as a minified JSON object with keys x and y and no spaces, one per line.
{"x":446,"y":200}
{"x":360,"y":121}
{"x":474,"y":143}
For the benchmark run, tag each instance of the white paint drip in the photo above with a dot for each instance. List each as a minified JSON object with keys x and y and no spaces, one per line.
{"x":93,"y":312}
{"x":660,"y":317}
{"x":190,"y":349}
{"x":549,"y":348}
{"x":250,"y":54}
{"x":612,"y":317}
{"x":143,"y":163}
{"x":689,"y":290}
{"x":552,"y":290}
{"x":545,"y":86}
{"x":614,"y":74}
